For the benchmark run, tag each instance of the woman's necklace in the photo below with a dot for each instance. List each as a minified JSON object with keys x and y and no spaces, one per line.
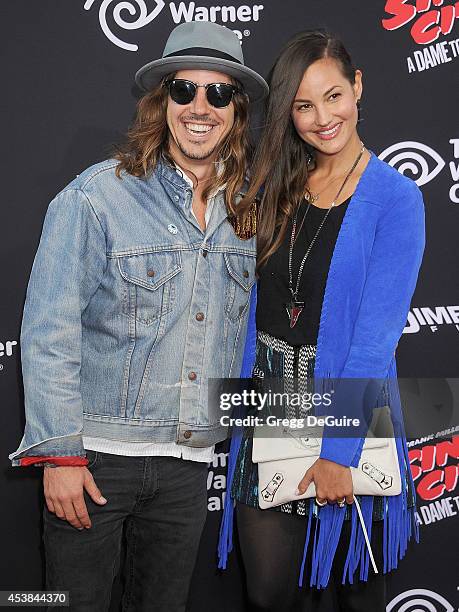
{"x":295,"y":307}
{"x":313,"y":197}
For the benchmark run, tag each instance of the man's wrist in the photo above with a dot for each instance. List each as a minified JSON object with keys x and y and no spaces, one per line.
{"x":72,"y":461}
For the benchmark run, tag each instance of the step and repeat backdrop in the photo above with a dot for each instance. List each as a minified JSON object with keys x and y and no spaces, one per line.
{"x":68,"y":94}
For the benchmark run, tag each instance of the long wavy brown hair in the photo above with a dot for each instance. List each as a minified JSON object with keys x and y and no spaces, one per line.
{"x":147,"y":141}
{"x":282,"y":158}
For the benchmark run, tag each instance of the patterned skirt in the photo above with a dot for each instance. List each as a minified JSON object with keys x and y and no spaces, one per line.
{"x":278,"y":359}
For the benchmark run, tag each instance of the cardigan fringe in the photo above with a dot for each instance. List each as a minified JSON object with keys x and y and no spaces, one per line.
{"x":400,"y":523}
{"x":400,"y":526}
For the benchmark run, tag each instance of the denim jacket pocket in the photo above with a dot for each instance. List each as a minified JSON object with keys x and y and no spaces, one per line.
{"x":240,"y":280}
{"x":150,"y":287}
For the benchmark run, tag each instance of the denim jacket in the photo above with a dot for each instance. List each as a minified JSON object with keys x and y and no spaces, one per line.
{"x":130,"y":308}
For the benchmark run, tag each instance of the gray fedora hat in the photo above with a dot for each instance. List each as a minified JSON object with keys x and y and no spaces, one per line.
{"x":202,"y":45}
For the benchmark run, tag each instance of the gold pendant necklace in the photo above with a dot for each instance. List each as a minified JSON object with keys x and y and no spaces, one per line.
{"x":313,"y":197}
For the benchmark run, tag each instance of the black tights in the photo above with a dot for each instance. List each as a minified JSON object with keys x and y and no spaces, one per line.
{"x":272,"y":549}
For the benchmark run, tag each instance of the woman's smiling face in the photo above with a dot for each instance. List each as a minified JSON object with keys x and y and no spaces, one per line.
{"x":324,"y":111}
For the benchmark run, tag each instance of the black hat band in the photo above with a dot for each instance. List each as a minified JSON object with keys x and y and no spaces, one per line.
{"x":204,"y":52}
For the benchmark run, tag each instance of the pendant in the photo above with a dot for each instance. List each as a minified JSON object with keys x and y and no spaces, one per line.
{"x":294,"y":309}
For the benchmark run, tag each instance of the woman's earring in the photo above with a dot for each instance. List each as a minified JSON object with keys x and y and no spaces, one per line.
{"x":309,"y":157}
{"x":359,"y":110}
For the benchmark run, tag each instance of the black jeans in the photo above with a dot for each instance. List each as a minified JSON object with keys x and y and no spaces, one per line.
{"x":272,"y":549}
{"x":162,"y":501}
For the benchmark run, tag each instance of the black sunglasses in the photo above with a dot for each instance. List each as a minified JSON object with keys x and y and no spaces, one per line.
{"x":218,"y":95}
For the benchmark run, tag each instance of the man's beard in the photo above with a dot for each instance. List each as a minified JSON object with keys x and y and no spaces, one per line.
{"x":198,"y":156}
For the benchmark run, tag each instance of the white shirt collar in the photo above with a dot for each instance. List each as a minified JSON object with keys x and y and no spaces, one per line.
{"x":186,"y":178}
{"x":211,"y":199}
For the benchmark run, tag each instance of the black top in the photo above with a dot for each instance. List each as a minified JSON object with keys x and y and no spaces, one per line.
{"x":273,"y":291}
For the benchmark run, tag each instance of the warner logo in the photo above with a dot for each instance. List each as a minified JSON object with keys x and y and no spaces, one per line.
{"x":432,"y":318}
{"x":6,"y":348}
{"x":188,"y":11}
{"x":129,"y":15}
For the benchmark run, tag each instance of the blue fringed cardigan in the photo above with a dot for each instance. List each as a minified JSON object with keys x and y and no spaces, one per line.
{"x":370,"y":283}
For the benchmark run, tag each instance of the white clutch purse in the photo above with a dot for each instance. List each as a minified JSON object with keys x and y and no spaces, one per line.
{"x":283,"y":461}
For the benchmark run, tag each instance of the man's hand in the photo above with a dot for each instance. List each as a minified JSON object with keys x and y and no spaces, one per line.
{"x":64,"y":487}
{"x":333,"y":481}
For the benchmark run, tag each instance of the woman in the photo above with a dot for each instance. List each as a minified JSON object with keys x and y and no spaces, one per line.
{"x":340,"y":241}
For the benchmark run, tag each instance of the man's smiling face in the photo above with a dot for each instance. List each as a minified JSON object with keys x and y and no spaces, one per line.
{"x":197,"y":129}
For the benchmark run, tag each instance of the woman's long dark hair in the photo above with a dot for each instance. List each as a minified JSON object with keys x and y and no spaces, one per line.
{"x":281,"y":160}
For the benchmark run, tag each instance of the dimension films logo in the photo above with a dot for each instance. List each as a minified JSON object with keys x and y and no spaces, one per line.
{"x":422,"y":164}
{"x":429,"y":20}
{"x":410,"y":601}
{"x":432,"y":318}
{"x":136,"y":14}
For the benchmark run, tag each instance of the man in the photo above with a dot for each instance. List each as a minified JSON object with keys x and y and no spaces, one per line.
{"x":138,"y":294}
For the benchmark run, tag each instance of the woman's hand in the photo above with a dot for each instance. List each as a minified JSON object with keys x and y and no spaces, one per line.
{"x":333,"y":482}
